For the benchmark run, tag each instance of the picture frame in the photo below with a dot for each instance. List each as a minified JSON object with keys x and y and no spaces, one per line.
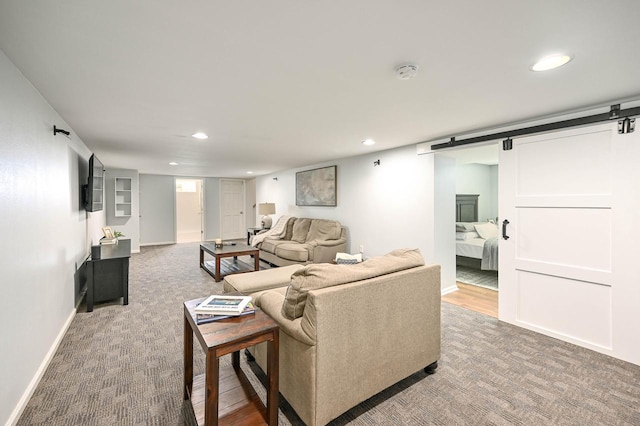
{"x":108,"y":232}
{"x":317,"y":187}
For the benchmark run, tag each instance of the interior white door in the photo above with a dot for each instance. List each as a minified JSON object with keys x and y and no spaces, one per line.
{"x":232,"y":209}
{"x":567,"y":267}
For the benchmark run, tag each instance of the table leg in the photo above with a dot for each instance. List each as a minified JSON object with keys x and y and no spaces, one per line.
{"x":212,"y":389}
{"x":217,"y":277}
{"x":188,"y":357}
{"x":235,"y":360}
{"x":272,"y":378}
{"x":201,"y":258}
{"x":256,"y":262}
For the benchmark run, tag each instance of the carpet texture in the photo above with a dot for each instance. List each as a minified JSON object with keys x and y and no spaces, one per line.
{"x":486,"y":279}
{"x":122,"y":365}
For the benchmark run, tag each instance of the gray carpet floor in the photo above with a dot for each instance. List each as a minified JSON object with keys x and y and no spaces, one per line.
{"x":122,"y":365}
{"x":486,"y":279}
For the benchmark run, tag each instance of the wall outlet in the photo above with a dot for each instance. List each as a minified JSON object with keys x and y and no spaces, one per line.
{"x":361,"y":248}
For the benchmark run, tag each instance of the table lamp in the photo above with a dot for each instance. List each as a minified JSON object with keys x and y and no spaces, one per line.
{"x":265,"y":209}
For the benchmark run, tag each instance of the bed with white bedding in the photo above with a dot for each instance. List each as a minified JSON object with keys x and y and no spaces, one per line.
{"x":477,"y":245}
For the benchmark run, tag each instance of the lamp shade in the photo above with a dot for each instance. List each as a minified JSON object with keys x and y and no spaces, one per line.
{"x":266,"y":208}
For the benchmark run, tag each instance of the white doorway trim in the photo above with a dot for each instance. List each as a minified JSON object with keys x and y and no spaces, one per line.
{"x":189,"y":209}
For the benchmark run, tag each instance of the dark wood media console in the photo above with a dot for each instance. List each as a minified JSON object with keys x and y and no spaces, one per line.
{"x":108,"y":276}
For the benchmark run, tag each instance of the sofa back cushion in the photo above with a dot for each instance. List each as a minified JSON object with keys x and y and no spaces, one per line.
{"x":289,"y":232}
{"x":321,"y":275}
{"x":300,"y":229}
{"x":322,"y":229}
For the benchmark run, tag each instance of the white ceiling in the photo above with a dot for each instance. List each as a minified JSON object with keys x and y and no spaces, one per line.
{"x":285,"y":83}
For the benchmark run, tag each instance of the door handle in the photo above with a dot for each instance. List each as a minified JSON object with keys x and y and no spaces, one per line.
{"x":504,"y":229}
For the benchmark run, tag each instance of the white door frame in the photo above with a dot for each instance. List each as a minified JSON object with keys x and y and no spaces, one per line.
{"x":202,"y":206}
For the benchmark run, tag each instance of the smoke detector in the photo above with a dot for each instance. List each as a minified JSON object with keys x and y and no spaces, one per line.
{"x":406,"y":71}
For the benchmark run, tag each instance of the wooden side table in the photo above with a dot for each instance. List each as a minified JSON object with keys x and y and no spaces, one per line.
{"x":231,"y":398}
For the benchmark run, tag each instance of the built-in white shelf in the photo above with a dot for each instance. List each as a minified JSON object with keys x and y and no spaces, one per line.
{"x":123,"y":197}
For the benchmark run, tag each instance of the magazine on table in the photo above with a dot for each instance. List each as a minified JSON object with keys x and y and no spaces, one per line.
{"x":205,"y":318}
{"x":223,"y":305}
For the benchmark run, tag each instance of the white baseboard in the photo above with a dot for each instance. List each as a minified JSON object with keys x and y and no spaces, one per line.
{"x":24,"y":400}
{"x":159,"y":243}
{"x":448,"y":290}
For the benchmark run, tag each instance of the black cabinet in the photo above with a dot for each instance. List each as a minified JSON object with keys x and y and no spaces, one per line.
{"x":108,"y":276}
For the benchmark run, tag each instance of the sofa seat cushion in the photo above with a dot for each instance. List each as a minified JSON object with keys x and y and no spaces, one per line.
{"x":293,"y":251}
{"x":252,"y":282}
{"x":322,"y":275}
{"x":269,"y":244}
{"x":323,"y":230}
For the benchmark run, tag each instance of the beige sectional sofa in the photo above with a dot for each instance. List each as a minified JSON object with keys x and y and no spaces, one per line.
{"x":347,"y":332}
{"x":305,"y":241}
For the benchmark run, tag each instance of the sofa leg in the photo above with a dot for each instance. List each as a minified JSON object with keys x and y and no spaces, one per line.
{"x":250,"y":357}
{"x":431,"y":368}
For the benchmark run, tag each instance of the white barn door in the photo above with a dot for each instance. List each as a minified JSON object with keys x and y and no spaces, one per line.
{"x":569,"y":268}
{"x":232,"y":209}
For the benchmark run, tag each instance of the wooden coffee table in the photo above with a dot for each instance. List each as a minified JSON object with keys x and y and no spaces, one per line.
{"x":226,"y":394}
{"x":227,"y":251}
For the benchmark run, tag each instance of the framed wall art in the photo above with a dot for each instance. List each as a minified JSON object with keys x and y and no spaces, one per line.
{"x":317,"y":187}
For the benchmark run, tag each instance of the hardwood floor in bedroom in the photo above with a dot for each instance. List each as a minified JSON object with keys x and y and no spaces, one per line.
{"x":474,"y":298}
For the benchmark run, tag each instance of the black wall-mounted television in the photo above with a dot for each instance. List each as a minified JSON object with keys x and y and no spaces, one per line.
{"x":94,"y":190}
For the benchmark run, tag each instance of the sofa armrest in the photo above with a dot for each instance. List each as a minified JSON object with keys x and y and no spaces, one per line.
{"x":327,"y":243}
{"x":271,"y":304}
{"x":325,"y":253}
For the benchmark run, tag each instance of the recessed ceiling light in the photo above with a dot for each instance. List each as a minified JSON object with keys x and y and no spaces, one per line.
{"x":200,"y":135}
{"x":552,"y":61}
{"x":249,"y":172}
{"x":368,"y":142}
{"x":173,"y":163}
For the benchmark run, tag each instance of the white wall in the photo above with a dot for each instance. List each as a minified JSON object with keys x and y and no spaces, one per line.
{"x":479,"y":179}
{"x":157,"y":209}
{"x":444,"y":212}
{"x":211,"y":209}
{"x":383,"y":207}
{"x":129,"y":226}
{"x":45,"y":230}
{"x":493,"y":176}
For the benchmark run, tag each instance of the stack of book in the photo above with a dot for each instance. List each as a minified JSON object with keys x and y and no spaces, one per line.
{"x":218,"y":307}
{"x":107,"y":241}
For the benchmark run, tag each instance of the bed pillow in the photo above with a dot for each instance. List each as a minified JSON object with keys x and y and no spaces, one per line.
{"x":464,"y":236}
{"x":487,"y":230}
{"x":464,"y":227}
